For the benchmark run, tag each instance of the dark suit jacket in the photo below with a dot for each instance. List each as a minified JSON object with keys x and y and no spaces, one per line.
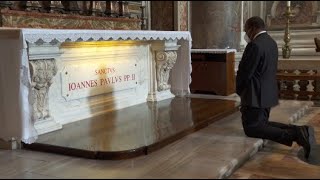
{"x":256,"y":82}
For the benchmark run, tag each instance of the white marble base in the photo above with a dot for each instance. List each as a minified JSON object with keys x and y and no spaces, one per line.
{"x":71,"y":75}
{"x":232,"y":97}
{"x":159,"y":96}
{"x":9,"y":145}
{"x":48,"y":125}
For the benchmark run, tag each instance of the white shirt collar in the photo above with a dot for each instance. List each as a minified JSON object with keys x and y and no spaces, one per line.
{"x":259,"y":34}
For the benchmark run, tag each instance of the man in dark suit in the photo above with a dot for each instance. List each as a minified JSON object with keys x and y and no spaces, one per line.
{"x":257,"y":87}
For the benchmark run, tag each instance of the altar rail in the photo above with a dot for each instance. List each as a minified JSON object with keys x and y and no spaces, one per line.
{"x":299,"y":84}
{"x":298,"y":78}
{"x":125,"y":15}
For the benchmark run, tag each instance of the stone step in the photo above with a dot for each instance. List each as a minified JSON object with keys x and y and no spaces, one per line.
{"x":288,"y":111}
{"x":227,"y":147}
{"x":219,"y":149}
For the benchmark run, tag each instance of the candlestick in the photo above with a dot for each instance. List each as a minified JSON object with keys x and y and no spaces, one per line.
{"x":286,"y":49}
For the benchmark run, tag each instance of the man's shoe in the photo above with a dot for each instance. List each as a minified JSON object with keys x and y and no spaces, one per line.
{"x":305,"y":138}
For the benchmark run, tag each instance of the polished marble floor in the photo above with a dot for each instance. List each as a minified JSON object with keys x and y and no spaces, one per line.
{"x":212,"y":152}
{"x":276,"y":161}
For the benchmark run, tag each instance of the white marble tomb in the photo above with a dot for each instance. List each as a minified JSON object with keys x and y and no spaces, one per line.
{"x":54,"y":77}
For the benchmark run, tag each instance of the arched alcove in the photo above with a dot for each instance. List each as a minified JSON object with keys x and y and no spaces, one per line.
{"x":305,"y":14}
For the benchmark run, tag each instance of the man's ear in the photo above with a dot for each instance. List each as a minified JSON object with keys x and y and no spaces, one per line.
{"x":254,"y":31}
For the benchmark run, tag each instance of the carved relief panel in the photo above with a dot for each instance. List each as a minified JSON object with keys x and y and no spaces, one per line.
{"x":42,"y":71}
{"x":305,"y":14}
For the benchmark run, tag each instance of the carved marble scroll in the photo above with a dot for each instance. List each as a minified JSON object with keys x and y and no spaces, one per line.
{"x":42,"y":71}
{"x":164,"y":63}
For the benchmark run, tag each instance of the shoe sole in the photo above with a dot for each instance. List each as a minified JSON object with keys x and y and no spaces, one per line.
{"x":312,"y":139}
{"x":306,"y":137}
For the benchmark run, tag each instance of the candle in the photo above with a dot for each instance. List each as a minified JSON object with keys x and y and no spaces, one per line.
{"x":288,"y":3}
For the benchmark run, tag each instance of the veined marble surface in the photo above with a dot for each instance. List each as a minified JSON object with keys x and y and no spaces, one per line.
{"x":216,"y":24}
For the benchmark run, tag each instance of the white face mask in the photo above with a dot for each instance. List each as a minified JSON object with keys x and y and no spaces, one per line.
{"x":246,"y":38}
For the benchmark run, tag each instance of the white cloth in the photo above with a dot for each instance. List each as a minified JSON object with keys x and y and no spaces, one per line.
{"x":15,"y":108}
{"x":16,"y":118}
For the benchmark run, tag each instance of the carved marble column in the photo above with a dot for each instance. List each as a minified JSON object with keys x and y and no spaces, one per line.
{"x":124,"y":9}
{"x":56,"y":7}
{"x":242,"y":33}
{"x":112,"y":8}
{"x":143,"y":18}
{"x":74,"y":7}
{"x":5,"y":4}
{"x":215,"y":24}
{"x":164,"y":58}
{"x":98,"y":8}
{"x":33,"y":6}
{"x":43,"y":68}
{"x":93,"y":9}
{"x":318,"y":17}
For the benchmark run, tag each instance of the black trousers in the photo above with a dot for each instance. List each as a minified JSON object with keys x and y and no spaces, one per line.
{"x":256,"y":124}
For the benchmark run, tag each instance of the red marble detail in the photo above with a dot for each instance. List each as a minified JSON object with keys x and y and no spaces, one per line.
{"x":183,"y":15}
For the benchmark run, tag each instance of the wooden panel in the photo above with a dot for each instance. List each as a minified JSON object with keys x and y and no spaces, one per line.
{"x":231,"y":78}
{"x":213,"y":73}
